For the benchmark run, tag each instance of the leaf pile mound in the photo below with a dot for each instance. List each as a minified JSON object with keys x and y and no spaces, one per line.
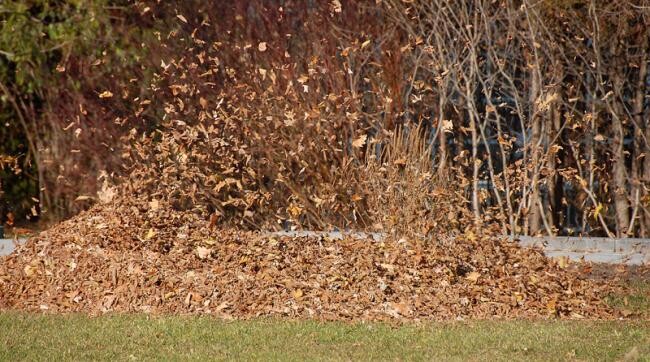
{"x":132,"y":255}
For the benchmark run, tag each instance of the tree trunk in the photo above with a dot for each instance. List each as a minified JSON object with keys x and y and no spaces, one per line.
{"x":475,"y":168}
{"x":621,"y":203}
{"x":444,"y":153}
{"x":642,"y":176}
{"x":534,"y":213}
{"x":554,"y":184}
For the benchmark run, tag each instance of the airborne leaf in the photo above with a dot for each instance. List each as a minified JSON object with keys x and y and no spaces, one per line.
{"x":360,"y":141}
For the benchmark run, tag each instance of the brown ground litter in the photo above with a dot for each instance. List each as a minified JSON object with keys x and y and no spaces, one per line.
{"x":141,"y":255}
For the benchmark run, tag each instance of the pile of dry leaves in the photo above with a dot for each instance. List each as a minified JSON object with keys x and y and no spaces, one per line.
{"x":133,"y":255}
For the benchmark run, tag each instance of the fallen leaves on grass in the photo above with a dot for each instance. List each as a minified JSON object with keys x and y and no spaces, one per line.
{"x":247,"y":274}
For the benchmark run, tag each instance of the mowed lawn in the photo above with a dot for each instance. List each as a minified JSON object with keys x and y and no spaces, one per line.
{"x":25,"y":336}
{"x":140,"y":337}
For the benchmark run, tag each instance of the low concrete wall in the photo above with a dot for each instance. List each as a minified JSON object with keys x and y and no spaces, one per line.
{"x":597,"y":250}
{"x":588,"y":244}
{"x":7,"y":246}
{"x":601,"y":250}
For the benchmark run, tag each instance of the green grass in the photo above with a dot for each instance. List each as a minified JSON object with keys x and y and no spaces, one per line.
{"x":137,"y":337}
{"x":26,"y":336}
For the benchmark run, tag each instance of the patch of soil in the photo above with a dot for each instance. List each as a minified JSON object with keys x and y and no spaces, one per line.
{"x":608,"y":272}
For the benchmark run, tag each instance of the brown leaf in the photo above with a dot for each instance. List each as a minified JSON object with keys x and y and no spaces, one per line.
{"x":297,"y":294}
{"x":105,"y":94}
{"x":359,"y":142}
{"x":473,"y":276}
{"x":202,"y":252}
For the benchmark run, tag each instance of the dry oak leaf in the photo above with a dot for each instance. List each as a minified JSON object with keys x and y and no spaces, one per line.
{"x":203,"y":252}
{"x":105,"y":94}
{"x":359,"y":142}
{"x":29,"y":270}
{"x":336,"y":6}
{"x":154,"y":204}
{"x":107,"y":193}
{"x":150,"y":234}
{"x":473,"y":276}
{"x":400,"y":162}
{"x":203,"y":102}
{"x":398,"y":310}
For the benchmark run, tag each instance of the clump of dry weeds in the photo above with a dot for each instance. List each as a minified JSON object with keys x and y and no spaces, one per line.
{"x":406,"y":197}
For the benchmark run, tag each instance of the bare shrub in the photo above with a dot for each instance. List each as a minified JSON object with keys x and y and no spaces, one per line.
{"x":543,"y":101}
